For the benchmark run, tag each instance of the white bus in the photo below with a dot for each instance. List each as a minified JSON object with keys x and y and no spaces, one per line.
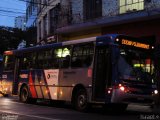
{"x":109,"y":69}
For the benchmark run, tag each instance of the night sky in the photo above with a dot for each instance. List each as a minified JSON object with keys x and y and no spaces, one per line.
{"x":9,"y":9}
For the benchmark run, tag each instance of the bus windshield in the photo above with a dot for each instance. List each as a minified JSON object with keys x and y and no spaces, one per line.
{"x":135,"y":65}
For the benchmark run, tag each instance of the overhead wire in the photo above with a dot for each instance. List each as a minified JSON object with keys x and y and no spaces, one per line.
{"x":6,"y":8}
{"x":14,"y":2}
{"x":8,"y":15}
{"x":10,"y":11}
{"x":39,"y":3}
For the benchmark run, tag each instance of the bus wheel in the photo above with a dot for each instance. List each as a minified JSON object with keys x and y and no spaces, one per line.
{"x":5,"y":95}
{"x":120,"y":107}
{"x":81,"y":100}
{"x":123,"y":107}
{"x":24,"y":95}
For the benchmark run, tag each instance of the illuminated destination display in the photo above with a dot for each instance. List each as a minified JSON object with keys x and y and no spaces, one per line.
{"x":135,"y":44}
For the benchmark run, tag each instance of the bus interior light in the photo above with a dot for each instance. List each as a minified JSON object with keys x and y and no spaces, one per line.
{"x":138,"y":65}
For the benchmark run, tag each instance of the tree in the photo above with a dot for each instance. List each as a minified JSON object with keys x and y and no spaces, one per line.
{"x":10,"y":38}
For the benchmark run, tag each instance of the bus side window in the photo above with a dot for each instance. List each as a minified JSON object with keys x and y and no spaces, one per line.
{"x":65,"y":59}
{"x":47,"y":59}
{"x":40,"y":63}
{"x":24,"y":63}
{"x":56,"y":57}
{"x":82,"y":55}
{"x":77,"y":57}
{"x":9,"y":62}
{"x":62,"y":57}
{"x":88,"y":55}
{"x":31,"y":60}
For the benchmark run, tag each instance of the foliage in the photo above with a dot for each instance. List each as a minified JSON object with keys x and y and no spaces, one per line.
{"x":11,"y":37}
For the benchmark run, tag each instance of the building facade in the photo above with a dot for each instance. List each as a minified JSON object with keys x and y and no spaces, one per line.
{"x":31,"y":13}
{"x":20,"y":22}
{"x":47,"y":21}
{"x":31,"y":21}
{"x":74,"y":19}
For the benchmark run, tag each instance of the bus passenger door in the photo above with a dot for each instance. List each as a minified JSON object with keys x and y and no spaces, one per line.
{"x":101,"y":73}
{"x":16,"y":77}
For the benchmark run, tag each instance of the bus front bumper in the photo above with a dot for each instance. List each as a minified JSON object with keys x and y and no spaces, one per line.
{"x":119,"y":96}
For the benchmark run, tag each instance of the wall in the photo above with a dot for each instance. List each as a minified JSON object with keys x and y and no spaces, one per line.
{"x":110,"y":7}
{"x":154,"y":4}
{"x":136,"y":29}
{"x":77,"y":11}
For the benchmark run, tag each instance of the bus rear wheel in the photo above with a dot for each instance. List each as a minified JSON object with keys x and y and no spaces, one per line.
{"x":80,"y":102}
{"x":24,"y":95}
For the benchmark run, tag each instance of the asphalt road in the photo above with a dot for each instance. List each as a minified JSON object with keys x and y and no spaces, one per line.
{"x":12,"y":109}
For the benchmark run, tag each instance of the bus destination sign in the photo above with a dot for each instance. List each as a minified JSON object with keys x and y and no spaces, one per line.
{"x":135,"y":44}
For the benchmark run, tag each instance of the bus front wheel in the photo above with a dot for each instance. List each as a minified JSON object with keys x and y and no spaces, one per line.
{"x":5,"y":95}
{"x":80,"y":102}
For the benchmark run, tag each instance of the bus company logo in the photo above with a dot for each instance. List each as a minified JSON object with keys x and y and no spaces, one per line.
{"x":48,"y":76}
{"x":51,"y":76}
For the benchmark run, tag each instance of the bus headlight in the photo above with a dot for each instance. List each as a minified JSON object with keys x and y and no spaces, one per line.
{"x":122,"y":88}
{"x":156,"y":92}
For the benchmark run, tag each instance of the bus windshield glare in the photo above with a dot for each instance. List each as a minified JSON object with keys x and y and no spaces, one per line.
{"x":135,"y":65}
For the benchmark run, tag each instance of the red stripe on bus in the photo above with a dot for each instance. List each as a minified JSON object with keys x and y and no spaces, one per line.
{"x":32,"y":88}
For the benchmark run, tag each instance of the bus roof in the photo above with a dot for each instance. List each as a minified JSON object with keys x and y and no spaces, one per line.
{"x":108,"y":38}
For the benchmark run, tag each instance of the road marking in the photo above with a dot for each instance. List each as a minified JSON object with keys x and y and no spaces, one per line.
{"x":35,"y":105}
{"x":34,"y":116}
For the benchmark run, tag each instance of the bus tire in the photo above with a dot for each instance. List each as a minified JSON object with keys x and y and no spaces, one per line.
{"x":80,"y":102}
{"x":120,"y":107}
{"x":24,"y":94}
{"x":5,"y":95}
